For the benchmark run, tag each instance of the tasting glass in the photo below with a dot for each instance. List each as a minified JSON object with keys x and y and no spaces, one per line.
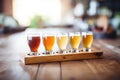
{"x":75,"y":39}
{"x":87,"y":40}
{"x":48,"y":41}
{"x":62,"y":41}
{"x":33,"y":43}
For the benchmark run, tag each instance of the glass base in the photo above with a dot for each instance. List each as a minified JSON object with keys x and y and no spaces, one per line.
{"x":74,"y":51}
{"x":33,"y":53}
{"x":49,"y":52}
{"x":86,"y":49}
{"x":62,"y":51}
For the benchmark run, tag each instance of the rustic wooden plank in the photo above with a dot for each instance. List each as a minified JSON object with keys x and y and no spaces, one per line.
{"x":97,"y":69}
{"x":77,"y":70}
{"x":63,"y":57}
{"x":115,"y":42}
{"x":49,"y":71}
{"x":108,"y":52}
{"x":15,"y":70}
{"x":108,"y":67}
{"x":91,"y":70}
{"x":104,"y":69}
{"x":11,"y":66}
{"x":110,"y":44}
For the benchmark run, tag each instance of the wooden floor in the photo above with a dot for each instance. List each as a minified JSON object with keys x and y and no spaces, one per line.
{"x":12,"y":66}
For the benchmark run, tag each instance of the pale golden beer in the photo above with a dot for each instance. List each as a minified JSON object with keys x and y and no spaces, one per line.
{"x":62,"y":41}
{"x":87,"y":39}
{"x":75,"y":39}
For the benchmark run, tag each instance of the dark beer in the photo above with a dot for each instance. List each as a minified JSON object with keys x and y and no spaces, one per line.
{"x":34,"y":42}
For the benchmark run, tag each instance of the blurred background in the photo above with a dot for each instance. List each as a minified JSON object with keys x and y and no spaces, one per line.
{"x":100,"y":16}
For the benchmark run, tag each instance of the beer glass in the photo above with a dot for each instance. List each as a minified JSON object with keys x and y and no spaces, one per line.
{"x":87,"y":40}
{"x":33,"y":42}
{"x":62,"y":41}
{"x":75,"y":39}
{"x":48,"y":41}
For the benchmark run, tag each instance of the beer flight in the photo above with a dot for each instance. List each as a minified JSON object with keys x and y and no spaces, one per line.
{"x":62,"y":39}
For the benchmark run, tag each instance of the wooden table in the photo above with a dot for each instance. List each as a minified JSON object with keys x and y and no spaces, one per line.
{"x":13,"y":47}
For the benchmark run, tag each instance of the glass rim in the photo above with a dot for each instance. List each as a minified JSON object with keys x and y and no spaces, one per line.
{"x":74,"y":33}
{"x":87,"y":33}
{"x":62,"y":34}
{"x":48,"y":34}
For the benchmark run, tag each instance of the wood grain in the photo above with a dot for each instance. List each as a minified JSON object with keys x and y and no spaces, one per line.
{"x":97,"y":69}
{"x":13,"y":70}
{"x":63,"y":57}
{"x":108,"y":52}
{"x":105,"y":69}
{"x":12,"y":67}
{"x":49,"y":71}
{"x":77,"y":70}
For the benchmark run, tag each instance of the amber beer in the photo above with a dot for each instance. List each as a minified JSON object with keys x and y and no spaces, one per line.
{"x":48,"y":41}
{"x":33,"y":42}
{"x":62,"y":40}
{"x":87,"y":39}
